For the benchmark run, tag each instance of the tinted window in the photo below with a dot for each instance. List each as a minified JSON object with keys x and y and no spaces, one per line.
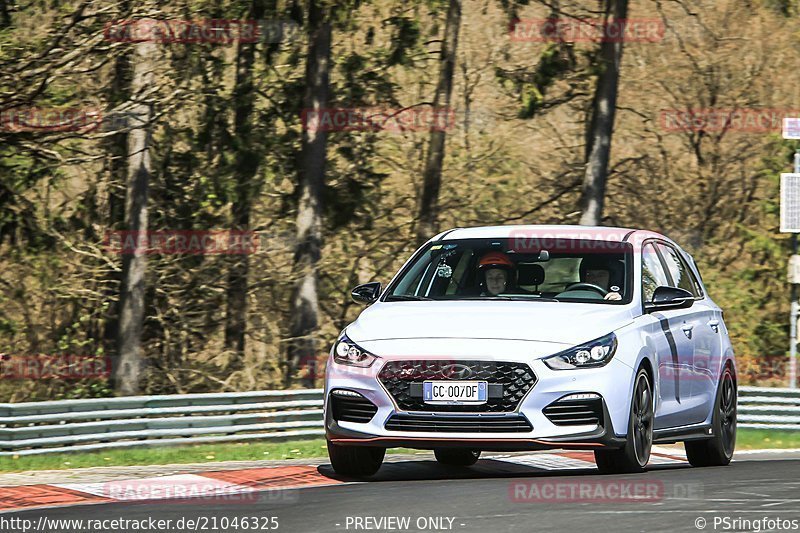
{"x":681,"y":275}
{"x":653,"y":274}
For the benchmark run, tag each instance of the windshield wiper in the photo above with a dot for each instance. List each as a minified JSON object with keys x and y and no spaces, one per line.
{"x":486,"y":298}
{"x":511,"y":298}
{"x":406,"y":298}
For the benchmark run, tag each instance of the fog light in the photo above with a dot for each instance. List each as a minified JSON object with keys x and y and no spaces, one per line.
{"x":581,"y":396}
{"x":345,"y":393}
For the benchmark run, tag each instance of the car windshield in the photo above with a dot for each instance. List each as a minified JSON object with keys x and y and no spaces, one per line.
{"x":562,"y":270}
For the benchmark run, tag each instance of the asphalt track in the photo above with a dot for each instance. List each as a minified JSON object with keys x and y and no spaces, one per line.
{"x":497,"y":496}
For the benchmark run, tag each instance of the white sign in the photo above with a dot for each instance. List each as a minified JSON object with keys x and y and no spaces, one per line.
{"x":794,"y":269}
{"x":790,"y":203}
{"x":791,"y":128}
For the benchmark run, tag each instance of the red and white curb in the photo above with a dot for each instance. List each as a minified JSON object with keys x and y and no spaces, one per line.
{"x":228,"y":486}
{"x":253,"y":484}
{"x":566,"y":460}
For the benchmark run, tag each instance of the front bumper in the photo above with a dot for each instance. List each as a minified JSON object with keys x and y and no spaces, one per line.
{"x":531,"y":427}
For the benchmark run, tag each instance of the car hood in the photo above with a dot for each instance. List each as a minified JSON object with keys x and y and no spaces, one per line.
{"x":556,"y":322}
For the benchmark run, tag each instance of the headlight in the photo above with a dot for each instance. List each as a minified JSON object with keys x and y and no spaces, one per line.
{"x":346,"y":352}
{"x":591,"y":354}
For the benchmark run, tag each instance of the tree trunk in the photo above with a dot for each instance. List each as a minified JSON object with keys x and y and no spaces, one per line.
{"x":116,"y":167}
{"x":601,"y":125}
{"x":132,"y":288}
{"x":245,"y":168}
{"x":428,"y":214}
{"x":5,"y":16}
{"x":305,"y":300}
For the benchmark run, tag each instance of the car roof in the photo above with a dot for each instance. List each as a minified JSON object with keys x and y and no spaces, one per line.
{"x":600,"y":233}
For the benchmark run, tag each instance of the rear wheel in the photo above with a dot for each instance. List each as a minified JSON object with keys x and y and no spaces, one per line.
{"x":457,"y":456}
{"x":718,"y":450}
{"x":633,"y":457}
{"x":355,"y":461}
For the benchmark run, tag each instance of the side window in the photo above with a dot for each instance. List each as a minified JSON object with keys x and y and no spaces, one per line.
{"x":680,"y":272}
{"x":653,"y":274}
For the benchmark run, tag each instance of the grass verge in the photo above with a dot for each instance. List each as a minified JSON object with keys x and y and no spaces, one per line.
{"x":760,"y":439}
{"x":201,"y":453}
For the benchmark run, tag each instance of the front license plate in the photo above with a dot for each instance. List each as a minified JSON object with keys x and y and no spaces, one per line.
{"x":454,"y":392}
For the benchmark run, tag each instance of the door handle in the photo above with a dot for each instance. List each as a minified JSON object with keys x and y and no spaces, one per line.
{"x":687,"y":329}
{"x":714,"y":324}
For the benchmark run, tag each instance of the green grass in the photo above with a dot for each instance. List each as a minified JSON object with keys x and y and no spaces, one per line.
{"x":759,"y":439}
{"x":746,"y":439}
{"x":201,"y":453}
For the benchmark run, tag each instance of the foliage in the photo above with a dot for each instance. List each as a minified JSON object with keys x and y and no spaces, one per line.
{"x":514,"y":155}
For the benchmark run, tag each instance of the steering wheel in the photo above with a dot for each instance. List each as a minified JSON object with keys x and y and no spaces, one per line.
{"x":588,"y":286}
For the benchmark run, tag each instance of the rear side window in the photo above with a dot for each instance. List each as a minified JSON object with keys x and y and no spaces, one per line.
{"x":680,"y":272}
{"x":653,"y":274}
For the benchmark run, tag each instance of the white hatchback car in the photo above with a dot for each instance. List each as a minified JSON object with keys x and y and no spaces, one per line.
{"x":534,"y":337}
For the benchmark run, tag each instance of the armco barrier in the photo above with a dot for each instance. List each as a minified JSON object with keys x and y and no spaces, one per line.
{"x":768,"y":408}
{"x":85,"y":425}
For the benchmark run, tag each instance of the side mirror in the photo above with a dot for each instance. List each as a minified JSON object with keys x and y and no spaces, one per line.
{"x":669,"y":298}
{"x":367,"y":293}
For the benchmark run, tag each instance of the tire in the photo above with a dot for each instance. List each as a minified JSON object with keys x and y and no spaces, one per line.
{"x":633,"y":457}
{"x":718,"y":450}
{"x":355,"y":461}
{"x":457,"y":456}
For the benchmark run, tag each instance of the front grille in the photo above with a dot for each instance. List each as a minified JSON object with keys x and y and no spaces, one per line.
{"x":508,"y":383}
{"x":459,"y":423}
{"x":575,"y":412}
{"x":351,"y":409}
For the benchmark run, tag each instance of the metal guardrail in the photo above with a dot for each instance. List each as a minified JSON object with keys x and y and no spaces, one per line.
{"x":86,"y":425}
{"x":768,"y":408}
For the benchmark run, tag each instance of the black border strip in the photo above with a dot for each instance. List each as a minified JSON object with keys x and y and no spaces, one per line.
{"x":673,"y":348}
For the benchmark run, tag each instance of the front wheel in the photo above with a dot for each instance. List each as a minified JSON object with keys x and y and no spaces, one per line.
{"x":355,"y":461}
{"x":633,"y":457}
{"x":457,"y":456}
{"x":718,"y":450}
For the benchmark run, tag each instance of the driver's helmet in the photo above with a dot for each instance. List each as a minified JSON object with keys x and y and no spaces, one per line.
{"x":495,"y":260}
{"x":612,"y":266}
{"x":491,"y":260}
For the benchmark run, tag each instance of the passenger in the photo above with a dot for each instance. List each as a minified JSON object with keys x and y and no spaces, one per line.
{"x":603,"y":273}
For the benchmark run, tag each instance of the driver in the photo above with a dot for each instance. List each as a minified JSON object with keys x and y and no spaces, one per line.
{"x":599,"y":271}
{"x":495,"y":271}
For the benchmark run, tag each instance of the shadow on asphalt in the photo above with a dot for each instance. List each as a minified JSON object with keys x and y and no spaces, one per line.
{"x":430,"y":470}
